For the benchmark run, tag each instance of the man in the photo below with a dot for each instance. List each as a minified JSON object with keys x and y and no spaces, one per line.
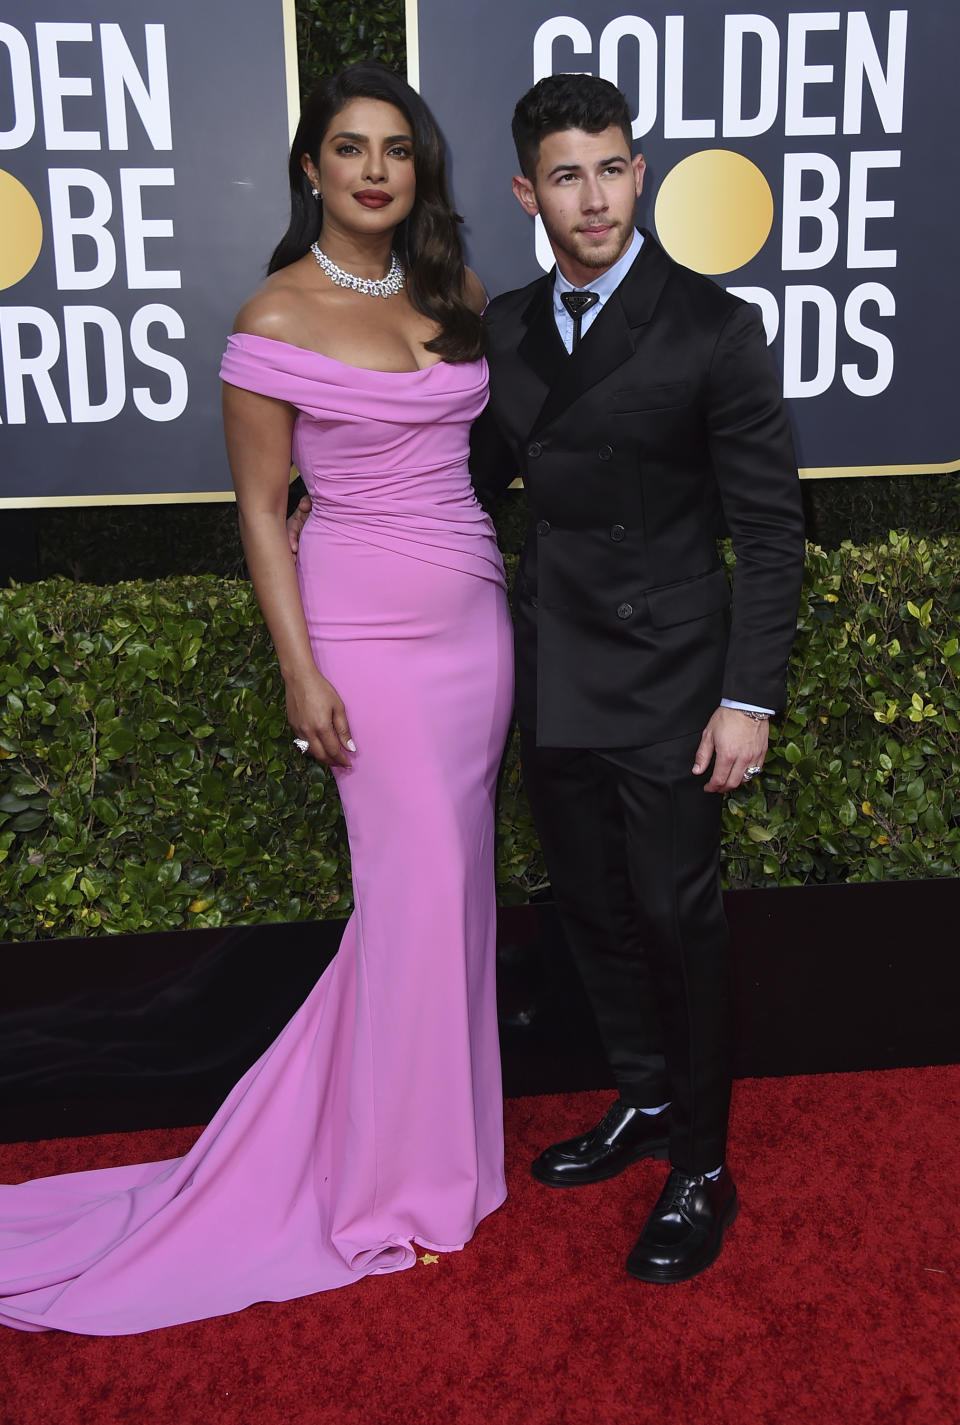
{"x":638,"y":402}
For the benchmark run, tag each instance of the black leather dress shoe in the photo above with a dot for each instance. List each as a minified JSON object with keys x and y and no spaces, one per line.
{"x":623,"y":1135}
{"x":684,"y":1232}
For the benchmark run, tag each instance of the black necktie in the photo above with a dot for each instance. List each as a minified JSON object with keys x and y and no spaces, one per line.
{"x":576,"y":304}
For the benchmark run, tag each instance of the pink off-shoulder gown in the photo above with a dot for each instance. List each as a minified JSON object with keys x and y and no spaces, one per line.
{"x":373,"y":1122}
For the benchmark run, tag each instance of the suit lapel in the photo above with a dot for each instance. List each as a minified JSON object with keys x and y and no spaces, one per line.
{"x":540,"y":346}
{"x":611,"y":339}
{"x":607,"y":345}
{"x":639,"y":292}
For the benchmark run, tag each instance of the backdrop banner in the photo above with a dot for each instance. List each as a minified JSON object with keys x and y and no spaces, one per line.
{"x":142,"y":188}
{"x":801,"y":159}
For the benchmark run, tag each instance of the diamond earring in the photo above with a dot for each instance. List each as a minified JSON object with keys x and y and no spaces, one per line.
{"x":315,"y":192}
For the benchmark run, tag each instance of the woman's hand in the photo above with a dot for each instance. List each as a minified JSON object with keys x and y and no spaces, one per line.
{"x":316,"y":713}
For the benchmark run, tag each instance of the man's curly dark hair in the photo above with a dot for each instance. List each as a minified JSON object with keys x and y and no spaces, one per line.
{"x":566,"y":101}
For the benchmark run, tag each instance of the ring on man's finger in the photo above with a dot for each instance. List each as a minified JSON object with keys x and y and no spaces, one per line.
{"x":301,"y":744}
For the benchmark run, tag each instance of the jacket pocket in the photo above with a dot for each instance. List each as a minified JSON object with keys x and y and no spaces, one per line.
{"x":649,"y":398}
{"x":693,"y":598}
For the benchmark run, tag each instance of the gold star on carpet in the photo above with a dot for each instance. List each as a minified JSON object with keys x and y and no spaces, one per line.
{"x":429,"y":1259}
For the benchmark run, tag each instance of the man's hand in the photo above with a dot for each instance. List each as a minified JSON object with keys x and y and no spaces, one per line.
{"x":296,"y":522}
{"x":735,"y":742}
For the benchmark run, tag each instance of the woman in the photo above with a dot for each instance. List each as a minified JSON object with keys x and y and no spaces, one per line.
{"x":373,"y":1122}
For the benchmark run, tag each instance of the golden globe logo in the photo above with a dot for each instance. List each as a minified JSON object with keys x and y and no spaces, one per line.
{"x":21,"y":235}
{"x":73,"y":361}
{"x":715,"y":208}
{"x":714,"y":211}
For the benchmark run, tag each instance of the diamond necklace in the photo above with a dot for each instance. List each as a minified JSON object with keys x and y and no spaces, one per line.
{"x":369,"y":286}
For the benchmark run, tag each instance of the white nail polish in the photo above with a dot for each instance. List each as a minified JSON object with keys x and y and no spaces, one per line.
{"x":351,"y":744}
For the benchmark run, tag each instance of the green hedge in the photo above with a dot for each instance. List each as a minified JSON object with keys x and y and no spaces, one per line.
{"x":148,"y":781}
{"x":334,"y":33}
{"x":863,"y":778}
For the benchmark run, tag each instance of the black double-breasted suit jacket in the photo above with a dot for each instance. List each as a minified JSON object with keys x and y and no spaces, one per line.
{"x":664,"y":428}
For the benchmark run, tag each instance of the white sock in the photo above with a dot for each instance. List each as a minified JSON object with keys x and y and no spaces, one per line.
{"x":714,"y":1174}
{"x":655,"y":1110}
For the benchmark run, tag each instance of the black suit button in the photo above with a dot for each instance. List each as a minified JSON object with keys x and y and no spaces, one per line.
{"x":625,"y":610}
{"x":605,"y":452}
{"x":543,"y":526}
{"x":534,"y":449}
{"x":617,"y":532}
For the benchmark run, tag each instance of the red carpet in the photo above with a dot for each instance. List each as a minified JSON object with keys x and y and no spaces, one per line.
{"x":835,"y":1302}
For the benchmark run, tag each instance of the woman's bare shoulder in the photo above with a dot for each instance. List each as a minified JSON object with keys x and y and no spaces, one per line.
{"x":276,"y":308}
{"x":473,"y":290}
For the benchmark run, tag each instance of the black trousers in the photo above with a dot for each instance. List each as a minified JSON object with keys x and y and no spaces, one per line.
{"x":632,"y":844}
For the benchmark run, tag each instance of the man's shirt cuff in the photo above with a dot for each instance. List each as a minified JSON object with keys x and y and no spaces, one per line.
{"x":746,"y":707}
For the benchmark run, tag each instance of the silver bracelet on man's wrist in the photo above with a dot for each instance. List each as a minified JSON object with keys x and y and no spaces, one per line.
{"x":753,"y":715}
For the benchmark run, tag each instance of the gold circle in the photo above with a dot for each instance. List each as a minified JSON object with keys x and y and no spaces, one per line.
{"x":21,"y":232}
{"x":714,"y":211}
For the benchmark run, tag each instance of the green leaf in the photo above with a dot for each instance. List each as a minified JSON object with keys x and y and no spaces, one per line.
{"x":167,"y":744}
{"x":23,"y":786}
{"x":58,"y":887}
{"x":847,"y":812}
{"x":10,"y":803}
{"x":105,"y":811}
{"x":119,"y":742}
{"x":28,"y":820}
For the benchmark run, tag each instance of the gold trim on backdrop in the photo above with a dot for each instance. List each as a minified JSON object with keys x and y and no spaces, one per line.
{"x":188,"y":497}
{"x":56,"y":502}
{"x":838,"y":472}
{"x":413,"y":45}
{"x":293,"y":69}
{"x":205,"y":497}
{"x":847,"y":472}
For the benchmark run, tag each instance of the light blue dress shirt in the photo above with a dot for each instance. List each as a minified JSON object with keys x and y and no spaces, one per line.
{"x":605,"y":286}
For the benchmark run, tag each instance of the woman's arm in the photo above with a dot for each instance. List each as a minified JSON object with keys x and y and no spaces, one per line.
{"x":258,"y":433}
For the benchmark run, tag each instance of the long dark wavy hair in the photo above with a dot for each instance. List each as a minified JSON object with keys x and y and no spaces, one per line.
{"x":428,"y":239}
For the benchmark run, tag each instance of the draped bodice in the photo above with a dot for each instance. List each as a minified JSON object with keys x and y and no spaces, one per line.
{"x":382,"y":453}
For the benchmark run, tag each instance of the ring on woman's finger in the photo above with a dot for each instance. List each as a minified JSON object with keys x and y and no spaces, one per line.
{"x":301,"y":744}
{"x":749,"y":772}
